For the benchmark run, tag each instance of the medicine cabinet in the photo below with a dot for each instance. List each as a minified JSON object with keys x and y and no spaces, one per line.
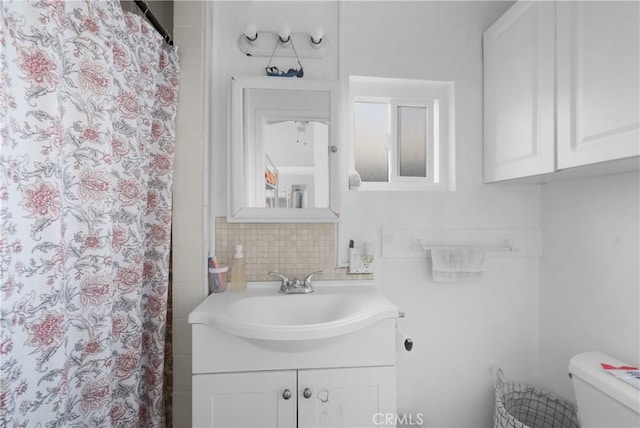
{"x":284,"y":150}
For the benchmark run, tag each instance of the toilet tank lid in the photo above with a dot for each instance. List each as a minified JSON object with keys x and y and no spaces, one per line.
{"x":586,"y":366}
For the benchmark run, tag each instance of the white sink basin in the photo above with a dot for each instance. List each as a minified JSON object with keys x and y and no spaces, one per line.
{"x":261,"y":312}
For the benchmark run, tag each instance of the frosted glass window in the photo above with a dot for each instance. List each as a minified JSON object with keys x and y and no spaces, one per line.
{"x":412,"y":141}
{"x":403,"y":135}
{"x":371,"y":135}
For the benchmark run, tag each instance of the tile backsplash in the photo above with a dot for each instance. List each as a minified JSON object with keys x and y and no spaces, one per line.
{"x":292,"y":249}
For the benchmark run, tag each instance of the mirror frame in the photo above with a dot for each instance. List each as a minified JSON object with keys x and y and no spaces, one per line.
{"x":237,"y":211}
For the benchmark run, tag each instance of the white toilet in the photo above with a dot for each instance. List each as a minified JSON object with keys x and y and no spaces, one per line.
{"x":603,"y":400}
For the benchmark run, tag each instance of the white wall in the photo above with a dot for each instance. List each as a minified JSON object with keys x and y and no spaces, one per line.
{"x":459,"y":330}
{"x":589,"y":274}
{"x":590,"y":280}
{"x":190,"y":204}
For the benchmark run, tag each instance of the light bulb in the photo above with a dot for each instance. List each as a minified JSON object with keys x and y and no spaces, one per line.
{"x":251,"y":31}
{"x":284,"y":32}
{"x":316,"y":35}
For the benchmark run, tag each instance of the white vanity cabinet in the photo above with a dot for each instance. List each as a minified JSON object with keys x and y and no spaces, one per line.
{"x":561,"y":88}
{"x":344,"y":397}
{"x":263,"y":359}
{"x":350,"y":397}
{"x":252,"y":399}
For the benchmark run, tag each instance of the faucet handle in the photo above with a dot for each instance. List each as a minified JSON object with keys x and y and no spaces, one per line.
{"x":284,"y":285}
{"x":284,"y":279}
{"x":307,"y":279}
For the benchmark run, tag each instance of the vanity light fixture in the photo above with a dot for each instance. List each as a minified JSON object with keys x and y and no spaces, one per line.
{"x":253,"y":42}
{"x":250,"y":32}
{"x":316,"y":36}
{"x":284,"y":34}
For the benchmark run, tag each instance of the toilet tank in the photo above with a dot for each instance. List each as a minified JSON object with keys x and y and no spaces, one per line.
{"x":604,"y":401}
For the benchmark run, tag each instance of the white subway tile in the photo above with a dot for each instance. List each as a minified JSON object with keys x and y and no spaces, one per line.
{"x":187,"y":226}
{"x":189,"y":263}
{"x":182,"y":410}
{"x":190,"y":83}
{"x":181,"y":337}
{"x":188,"y":156}
{"x":189,"y":42}
{"x":187,"y":192}
{"x":186,"y":296}
{"x":182,"y":373}
{"x":188,"y":13}
{"x":189,"y":119}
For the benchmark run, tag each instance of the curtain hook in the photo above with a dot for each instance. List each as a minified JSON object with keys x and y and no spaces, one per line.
{"x":146,"y":8}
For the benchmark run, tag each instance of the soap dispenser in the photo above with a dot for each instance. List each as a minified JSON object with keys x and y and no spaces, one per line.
{"x":238,"y":274}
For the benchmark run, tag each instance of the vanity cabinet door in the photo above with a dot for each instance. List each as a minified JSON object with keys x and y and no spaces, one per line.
{"x":519,"y":103}
{"x":598,"y":81}
{"x":256,"y":399}
{"x":350,"y":397}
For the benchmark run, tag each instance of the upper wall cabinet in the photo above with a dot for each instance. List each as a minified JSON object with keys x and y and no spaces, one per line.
{"x":561,"y":87}
{"x":519,"y":55}
{"x":598,"y":81}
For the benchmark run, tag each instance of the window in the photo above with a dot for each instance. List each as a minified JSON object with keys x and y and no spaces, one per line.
{"x":402,"y":134}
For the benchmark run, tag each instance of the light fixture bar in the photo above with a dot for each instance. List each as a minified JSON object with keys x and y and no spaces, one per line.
{"x":253,"y":42}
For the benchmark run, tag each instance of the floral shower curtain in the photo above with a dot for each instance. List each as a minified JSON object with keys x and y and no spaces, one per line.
{"x":87,"y":120}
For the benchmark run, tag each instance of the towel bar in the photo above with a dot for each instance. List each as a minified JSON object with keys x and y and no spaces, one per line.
{"x":502,"y":248}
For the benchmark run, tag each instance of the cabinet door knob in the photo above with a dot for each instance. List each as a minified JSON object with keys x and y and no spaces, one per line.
{"x":286,"y":394}
{"x":306,"y":393}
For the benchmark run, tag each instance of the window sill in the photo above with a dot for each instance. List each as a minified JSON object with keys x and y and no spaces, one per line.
{"x":405,"y":187}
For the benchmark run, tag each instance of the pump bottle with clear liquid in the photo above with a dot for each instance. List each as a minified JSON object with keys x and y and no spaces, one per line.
{"x":238,"y":272}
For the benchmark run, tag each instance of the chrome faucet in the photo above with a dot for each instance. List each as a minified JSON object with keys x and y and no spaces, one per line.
{"x":295,"y":285}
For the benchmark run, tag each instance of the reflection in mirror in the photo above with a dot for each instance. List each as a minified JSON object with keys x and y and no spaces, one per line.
{"x":283,"y":145}
{"x":296,"y":171}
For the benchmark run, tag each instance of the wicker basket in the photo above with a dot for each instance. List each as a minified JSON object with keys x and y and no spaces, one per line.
{"x":523,"y":406}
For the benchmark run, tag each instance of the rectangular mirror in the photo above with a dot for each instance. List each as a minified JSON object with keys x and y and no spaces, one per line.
{"x":284,"y":150}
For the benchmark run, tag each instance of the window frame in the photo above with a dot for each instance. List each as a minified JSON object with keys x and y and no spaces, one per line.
{"x":431,"y":140}
{"x":438,"y":98}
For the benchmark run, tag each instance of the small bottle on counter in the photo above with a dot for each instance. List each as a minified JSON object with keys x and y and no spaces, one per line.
{"x":238,"y":274}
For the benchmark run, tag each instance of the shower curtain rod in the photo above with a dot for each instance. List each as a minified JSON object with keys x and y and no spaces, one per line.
{"x":144,"y":8}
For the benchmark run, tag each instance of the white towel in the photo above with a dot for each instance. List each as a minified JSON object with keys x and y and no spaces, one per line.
{"x":453,"y":264}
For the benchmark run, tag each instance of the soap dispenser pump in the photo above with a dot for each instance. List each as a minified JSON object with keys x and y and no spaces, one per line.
{"x":238,"y":273}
